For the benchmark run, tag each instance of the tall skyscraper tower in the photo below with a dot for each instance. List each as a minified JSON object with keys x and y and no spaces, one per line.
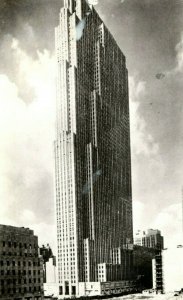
{"x":92,"y":153}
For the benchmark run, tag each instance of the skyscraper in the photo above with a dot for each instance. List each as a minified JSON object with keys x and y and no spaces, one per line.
{"x":92,"y":152}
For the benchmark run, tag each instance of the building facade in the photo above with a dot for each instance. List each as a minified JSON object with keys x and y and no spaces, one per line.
{"x":47,"y":255}
{"x":49,"y":271}
{"x":21,"y":270}
{"x":150,"y":239}
{"x":173,"y":268}
{"x":92,"y":150}
{"x":154,"y":240}
{"x":143,"y":267}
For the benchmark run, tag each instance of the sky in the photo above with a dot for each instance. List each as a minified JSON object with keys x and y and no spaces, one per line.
{"x":150,"y":34}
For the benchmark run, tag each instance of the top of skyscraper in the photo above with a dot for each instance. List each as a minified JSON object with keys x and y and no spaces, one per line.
{"x":92,"y":2}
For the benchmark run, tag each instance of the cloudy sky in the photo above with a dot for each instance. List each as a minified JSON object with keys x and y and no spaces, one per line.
{"x":150,"y":33}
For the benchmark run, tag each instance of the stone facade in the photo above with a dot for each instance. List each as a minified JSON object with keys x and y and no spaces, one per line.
{"x":21,"y":269}
{"x":92,"y":149}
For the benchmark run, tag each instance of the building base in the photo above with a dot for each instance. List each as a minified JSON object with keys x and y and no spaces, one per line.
{"x":51,"y":290}
{"x":92,"y":289}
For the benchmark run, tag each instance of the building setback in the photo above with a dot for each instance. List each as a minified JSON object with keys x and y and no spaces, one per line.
{"x":92,"y":152}
{"x":21,"y":271}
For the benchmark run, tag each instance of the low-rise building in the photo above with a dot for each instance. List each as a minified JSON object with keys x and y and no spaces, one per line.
{"x":153,"y":239}
{"x":142,"y":263}
{"x":172,"y":259}
{"x":21,"y":267}
{"x":49,"y":271}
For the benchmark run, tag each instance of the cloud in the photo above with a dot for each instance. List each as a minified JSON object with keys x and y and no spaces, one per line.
{"x":179,"y":59}
{"x":79,"y":29}
{"x":138,"y":215}
{"x":26,"y":135}
{"x":169,"y":221}
{"x":179,"y":50}
{"x":142,"y":141}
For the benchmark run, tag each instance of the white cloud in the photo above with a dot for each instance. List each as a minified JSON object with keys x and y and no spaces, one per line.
{"x":142,"y":141}
{"x":179,"y":59}
{"x":138,"y":215}
{"x":27,"y":216}
{"x":46,"y":234}
{"x":169,"y":221}
{"x":179,"y":50}
{"x":79,"y":29}
{"x":26,"y":135}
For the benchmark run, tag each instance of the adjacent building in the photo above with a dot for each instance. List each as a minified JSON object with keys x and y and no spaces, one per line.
{"x":21,"y":269}
{"x":49,"y":271}
{"x":152,"y":239}
{"x":47,"y":255}
{"x":173,"y":268}
{"x":143,"y":268}
{"x":92,"y":154}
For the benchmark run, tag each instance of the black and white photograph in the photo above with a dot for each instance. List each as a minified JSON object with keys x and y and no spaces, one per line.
{"x":91,"y":147}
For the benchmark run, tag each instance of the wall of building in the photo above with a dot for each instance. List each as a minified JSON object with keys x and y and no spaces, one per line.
{"x":173,"y":269}
{"x":21,"y":268}
{"x":92,"y":148}
{"x":143,"y":268}
{"x":51,"y":290}
{"x":51,"y":271}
